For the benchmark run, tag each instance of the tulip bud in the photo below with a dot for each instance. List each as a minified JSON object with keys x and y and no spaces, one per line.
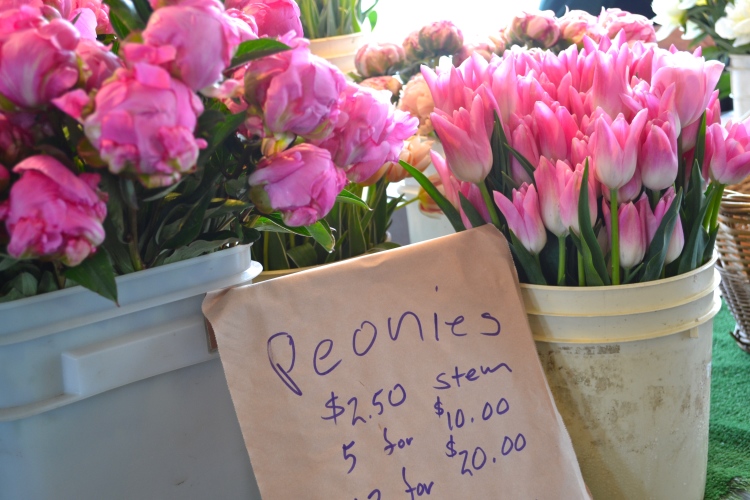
{"x":523,"y":217}
{"x":654,"y":218}
{"x":632,"y":229}
{"x":658,"y":154}
{"x":378,"y":59}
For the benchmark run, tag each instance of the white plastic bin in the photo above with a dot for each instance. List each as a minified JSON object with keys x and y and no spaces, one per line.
{"x":106,"y":402}
{"x":423,"y":227}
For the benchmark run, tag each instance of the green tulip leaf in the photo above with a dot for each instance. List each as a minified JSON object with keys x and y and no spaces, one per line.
{"x":471,"y":213}
{"x":321,"y":233}
{"x":528,"y":262}
{"x":351,"y":198}
{"x":657,"y":251}
{"x":448,"y":209}
{"x":594,"y":265}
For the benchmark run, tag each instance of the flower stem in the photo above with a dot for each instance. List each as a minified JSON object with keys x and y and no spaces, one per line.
{"x":490,"y":204}
{"x":561,"y":261}
{"x":135,"y":254}
{"x":614,"y":216}
{"x":581,"y":272}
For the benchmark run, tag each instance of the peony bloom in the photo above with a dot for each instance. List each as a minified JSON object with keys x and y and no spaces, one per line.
{"x":523,"y":217}
{"x":537,"y":29}
{"x":466,"y":141}
{"x":389,"y":83}
{"x":734,"y":26}
{"x":294,"y":92}
{"x":440,"y":38}
{"x":198,"y":55}
{"x":654,"y":218}
{"x":91,"y":16}
{"x":143,"y":124}
{"x":368,"y":133}
{"x":633,"y":237}
{"x":52,"y":213}
{"x":728,"y":152}
{"x":636,"y":27}
{"x":416,"y":99}
{"x":413,"y":51}
{"x":416,"y":153}
{"x":37,"y":65}
{"x":301,"y":182}
{"x":378,"y":59}
{"x":576,"y":24}
{"x":97,"y":63}
{"x":274,"y":18}
{"x":614,"y":148}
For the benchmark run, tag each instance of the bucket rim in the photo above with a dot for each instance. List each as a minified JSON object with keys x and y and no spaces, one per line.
{"x":630,"y":286}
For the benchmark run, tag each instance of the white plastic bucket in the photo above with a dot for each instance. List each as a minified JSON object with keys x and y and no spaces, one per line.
{"x":739,"y":77}
{"x":339,"y":50}
{"x":630,"y":370}
{"x":422,"y":226}
{"x":101,"y":401}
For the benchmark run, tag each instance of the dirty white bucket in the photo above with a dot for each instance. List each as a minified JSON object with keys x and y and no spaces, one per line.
{"x":422,"y":226}
{"x":101,"y":401}
{"x":630,"y":370}
{"x":739,"y":77}
{"x":339,"y":50}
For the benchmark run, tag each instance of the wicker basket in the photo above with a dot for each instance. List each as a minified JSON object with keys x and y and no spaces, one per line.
{"x":733,"y":244}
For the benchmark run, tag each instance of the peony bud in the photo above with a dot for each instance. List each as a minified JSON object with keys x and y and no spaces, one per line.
{"x":378,"y":59}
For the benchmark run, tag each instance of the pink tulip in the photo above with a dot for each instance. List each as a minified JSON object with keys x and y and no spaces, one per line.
{"x":52,"y":213}
{"x":633,"y":239}
{"x":658,"y":154}
{"x":630,"y":191}
{"x":378,"y":59}
{"x":295,"y":92}
{"x":728,"y":152}
{"x":466,"y":141}
{"x":416,"y":99}
{"x":504,"y":86}
{"x":689,"y":134}
{"x":524,"y":141}
{"x":555,"y":130}
{"x":273,"y":17}
{"x":452,"y":188}
{"x":523,"y":217}
{"x":694,"y":79}
{"x":368,"y":133}
{"x":610,"y":80}
{"x":301,"y":182}
{"x":143,"y":124}
{"x":569,"y":197}
{"x":615,"y":149}
{"x":446,"y":88}
{"x":98,"y":63}
{"x":37,"y":65}
{"x":654,"y":218}
{"x":538,"y":29}
{"x":636,"y":27}
{"x":196,"y":56}
{"x":440,"y":38}
{"x":550,"y":183}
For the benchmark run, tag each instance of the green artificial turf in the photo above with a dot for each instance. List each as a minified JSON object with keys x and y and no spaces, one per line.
{"x":729,"y":430}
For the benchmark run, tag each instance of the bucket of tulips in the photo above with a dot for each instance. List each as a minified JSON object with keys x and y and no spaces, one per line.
{"x":604,"y":167}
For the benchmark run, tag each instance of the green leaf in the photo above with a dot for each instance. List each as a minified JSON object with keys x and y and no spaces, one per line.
{"x":12,"y":295}
{"x":25,"y":283}
{"x":229,"y":206}
{"x":255,"y":49}
{"x":119,"y":27}
{"x":221,"y":132}
{"x":700,"y":144}
{"x":528,"y":262}
{"x":276,"y":257}
{"x":373,"y":18}
{"x":274,"y":223}
{"x":382,"y":247}
{"x":500,"y":168}
{"x":118,"y":251}
{"x":594,"y":265}
{"x":127,"y":14}
{"x":196,"y":249}
{"x":321,"y":233}
{"x":526,"y":164}
{"x":448,"y":209}
{"x":657,"y":251}
{"x":472,"y":214}
{"x":351,"y":198}
{"x":190,"y":226}
{"x":164,"y":192}
{"x":357,"y":240}
{"x":127,"y":191}
{"x":47,"y":283}
{"x":7,"y":263}
{"x":303,"y":255}
{"x":97,"y":274}
{"x":698,"y":237}
{"x":144,"y":10}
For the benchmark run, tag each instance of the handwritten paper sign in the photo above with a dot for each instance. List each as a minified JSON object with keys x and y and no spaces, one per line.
{"x":400,"y":375}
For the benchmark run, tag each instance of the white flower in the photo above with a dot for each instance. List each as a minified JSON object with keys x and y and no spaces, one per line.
{"x":670,"y":15}
{"x":736,"y":25}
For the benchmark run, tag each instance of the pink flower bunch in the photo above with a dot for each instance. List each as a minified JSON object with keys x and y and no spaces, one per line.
{"x":440,"y":38}
{"x":620,"y":108}
{"x":379,"y":59}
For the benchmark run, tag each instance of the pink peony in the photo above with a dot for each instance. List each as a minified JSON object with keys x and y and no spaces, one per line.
{"x":484,"y":49}
{"x":37,"y":65}
{"x":537,"y":29}
{"x":367,"y":133}
{"x":294,"y":91}
{"x":413,"y":51}
{"x":576,"y":24}
{"x":18,"y":16}
{"x":378,"y":59}
{"x":389,"y":83}
{"x":273,"y":17}
{"x":416,"y":153}
{"x":91,"y":16}
{"x":301,"y":182}
{"x":416,"y":99}
{"x":440,"y":38}
{"x":143,"y":124}
{"x":636,"y":27}
{"x":98,"y":63}
{"x":52,"y":213}
{"x":198,"y":55}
